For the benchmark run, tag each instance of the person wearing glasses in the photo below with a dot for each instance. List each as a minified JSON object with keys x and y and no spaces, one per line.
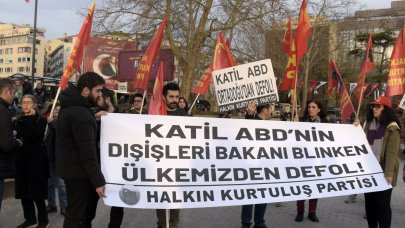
{"x":383,"y":134}
{"x":137,"y":104}
{"x":314,"y":113}
{"x":32,"y":169}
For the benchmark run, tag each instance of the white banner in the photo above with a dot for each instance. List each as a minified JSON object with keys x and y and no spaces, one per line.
{"x":402,"y":103}
{"x":189,"y":162}
{"x":236,"y":86}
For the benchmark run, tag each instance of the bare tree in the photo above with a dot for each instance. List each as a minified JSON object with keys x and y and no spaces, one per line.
{"x":323,"y":43}
{"x":191,"y":28}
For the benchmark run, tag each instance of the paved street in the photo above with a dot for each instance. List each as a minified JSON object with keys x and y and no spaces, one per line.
{"x":333,"y":213}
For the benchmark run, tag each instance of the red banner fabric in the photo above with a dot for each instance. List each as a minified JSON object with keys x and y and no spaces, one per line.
{"x":288,"y":38}
{"x":75,"y":59}
{"x":144,"y":70}
{"x":303,"y":31}
{"x":396,"y":75}
{"x":204,"y":83}
{"x":366,"y":66}
{"x":222,"y":57}
{"x":346,"y":105}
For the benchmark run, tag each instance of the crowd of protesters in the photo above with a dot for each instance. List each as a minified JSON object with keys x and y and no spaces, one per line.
{"x":67,"y":156}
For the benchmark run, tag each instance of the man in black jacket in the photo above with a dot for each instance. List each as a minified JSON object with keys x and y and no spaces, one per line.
{"x":263,"y":112}
{"x":76,"y":150}
{"x":8,"y":145}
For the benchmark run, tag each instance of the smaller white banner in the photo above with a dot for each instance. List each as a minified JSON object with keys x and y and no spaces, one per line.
{"x":236,"y":86}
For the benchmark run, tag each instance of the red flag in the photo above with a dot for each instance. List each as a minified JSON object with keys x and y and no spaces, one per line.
{"x":288,"y":38}
{"x":346,"y":105}
{"x":157,"y":105}
{"x":27,"y":1}
{"x":230,"y":56}
{"x":297,"y":49}
{"x":303,"y":31}
{"x":145,"y":66}
{"x":288,"y":81}
{"x":222,"y":57}
{"x":366,"y":66}
{"x":396,"y":75}
{"x":372,"y":88}
{"x":76,"y":55}
{"x":332,"y":81}
{"x":368,"y":62}
{"x":204,"y":83}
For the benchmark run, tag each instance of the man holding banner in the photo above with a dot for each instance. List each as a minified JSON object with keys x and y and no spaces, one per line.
{"x":263,"y":112}
{"x":171,"y":94}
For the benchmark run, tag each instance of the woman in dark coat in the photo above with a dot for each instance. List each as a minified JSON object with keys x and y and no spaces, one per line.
{"x":32,"y":170}
{"x":314,"y":113}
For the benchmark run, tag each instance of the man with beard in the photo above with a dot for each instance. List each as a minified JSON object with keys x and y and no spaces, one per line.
{"x":171,"y":94}
{"x":8,"y":144}
{"x":76,"y":150}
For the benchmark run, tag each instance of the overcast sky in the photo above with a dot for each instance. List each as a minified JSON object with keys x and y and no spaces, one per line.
{"x":60,"y":16}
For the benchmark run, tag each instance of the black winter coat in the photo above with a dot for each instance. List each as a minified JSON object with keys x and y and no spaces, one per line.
{"x":76,"y":150}
{"x":32,"y":170}
{"x":8,"y":145}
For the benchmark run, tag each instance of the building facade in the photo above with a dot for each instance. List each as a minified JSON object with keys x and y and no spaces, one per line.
{"x":371,"y":21}
{"x":57,"y":53}
{"x":16,"y":50}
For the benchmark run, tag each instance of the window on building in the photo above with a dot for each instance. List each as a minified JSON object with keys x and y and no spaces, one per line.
{"x":20,"y":69}
{"x":1,"y":51}
{"x":28,"y":59}
{"x":1,"y":60}
{"x":8,"y":51}
{"x":27,"y":69}
{"x":2,"y":42}
{"x":1,"y":70}
{"x":24,"y":49}
{"x":8,"y":70}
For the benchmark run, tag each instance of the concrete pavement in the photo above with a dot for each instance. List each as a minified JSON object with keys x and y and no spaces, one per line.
{"x":333,"y":213}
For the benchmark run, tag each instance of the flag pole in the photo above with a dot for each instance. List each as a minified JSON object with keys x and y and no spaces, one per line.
{"x":167,"y":217}
{"x":195,"y":100}
{"x":54,"y":101}
{"x":53,"y":108}
{"x":34,"y":42}
{"x":143,"y":101}
{"x":295,"y":105}
{"x":360,"y":101}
